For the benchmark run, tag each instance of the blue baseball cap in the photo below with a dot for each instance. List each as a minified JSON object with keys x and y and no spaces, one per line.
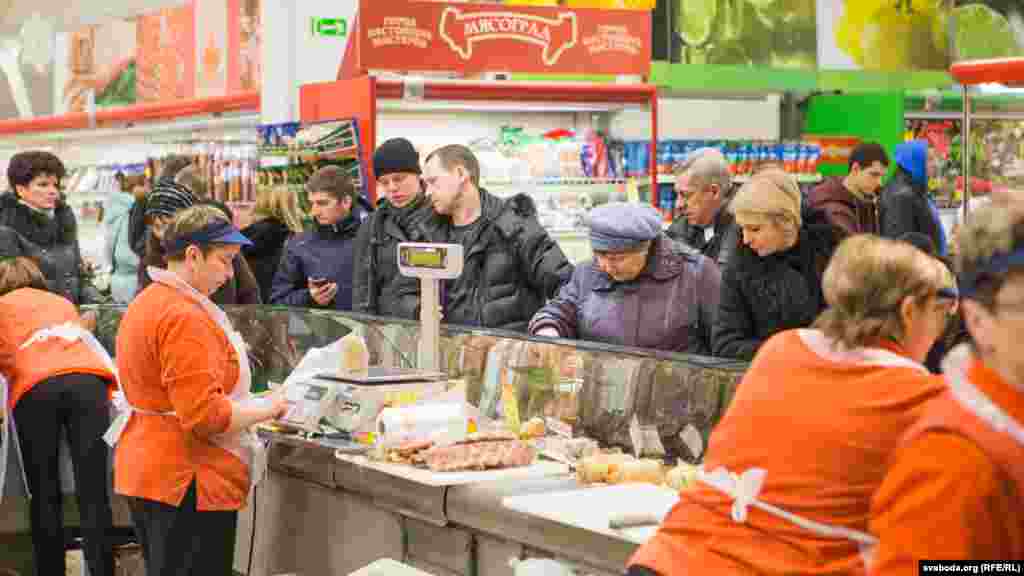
{"x":218,"y":232}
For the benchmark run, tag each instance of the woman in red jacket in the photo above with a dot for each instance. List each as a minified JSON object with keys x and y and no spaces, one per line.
{"x":54,"y":381}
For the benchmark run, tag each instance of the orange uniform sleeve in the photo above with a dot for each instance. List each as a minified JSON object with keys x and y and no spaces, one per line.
{"x":195,"y":366}
{"x":943,"y":499}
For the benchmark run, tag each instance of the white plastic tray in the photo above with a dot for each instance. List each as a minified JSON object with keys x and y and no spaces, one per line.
{"x":592,"y":508}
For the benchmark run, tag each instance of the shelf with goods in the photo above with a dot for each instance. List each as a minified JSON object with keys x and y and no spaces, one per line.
{"x":290,"y":152}
{"x":997,"y":156}
{"x":745,"y":157}
{"x":549,"y":140}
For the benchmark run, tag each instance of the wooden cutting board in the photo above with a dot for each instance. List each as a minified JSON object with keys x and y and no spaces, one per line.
{"x":539,"y":469}
{"x":591,"y":508}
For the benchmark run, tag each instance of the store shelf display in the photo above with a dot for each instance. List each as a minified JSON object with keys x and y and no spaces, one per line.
{"x":228,"y":167}
{"x":997,"y":155}
{"x":291,"y":152}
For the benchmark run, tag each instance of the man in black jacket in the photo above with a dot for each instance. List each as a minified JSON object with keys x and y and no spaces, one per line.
{"x":704,"y":186}
{"x":403,"y":215}
{"x":905,"y":205}
{"x":512,"y":266}
{"x":35,"y":208}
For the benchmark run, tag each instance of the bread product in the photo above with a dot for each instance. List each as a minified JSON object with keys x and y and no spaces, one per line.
{"x":533,"y":428}
{"x":634,"y":471}
{"x":355,"y":357}
{"x":597,"y":469}
{"x":682,"y":476}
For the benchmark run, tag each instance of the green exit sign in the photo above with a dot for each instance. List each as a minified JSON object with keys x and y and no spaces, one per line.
{"x":330,"y":27}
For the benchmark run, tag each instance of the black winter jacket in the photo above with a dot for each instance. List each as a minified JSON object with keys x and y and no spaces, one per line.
{"x":512,"y":266}
{"x":377,"y":285}
{"x":720,"y":248}
{"x":264,"y":256}
{"x":762,"y":296}
{"x":56,"y":241}
{"x":904,"y":208}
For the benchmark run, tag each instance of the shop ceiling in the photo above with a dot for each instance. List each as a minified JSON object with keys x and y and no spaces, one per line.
{"x":66,"y":15}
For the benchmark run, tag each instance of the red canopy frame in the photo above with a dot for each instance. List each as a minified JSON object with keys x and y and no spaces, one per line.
{"x":1006,"y":71}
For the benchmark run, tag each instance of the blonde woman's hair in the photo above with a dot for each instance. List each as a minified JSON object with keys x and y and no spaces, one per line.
{"x":188,"y":221}
{"x":992,"y":230}
{"x":771,"y":194}
{"x":279,"y":202}
{"x":20,"y":272}
{"x":865,"y":285}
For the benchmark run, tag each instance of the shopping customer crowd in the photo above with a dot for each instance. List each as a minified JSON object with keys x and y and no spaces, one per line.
{"x":846,"y":300}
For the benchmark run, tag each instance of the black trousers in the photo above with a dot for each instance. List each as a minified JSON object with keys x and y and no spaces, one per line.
{"x":182,"y":541}
{"x":77,"y":404}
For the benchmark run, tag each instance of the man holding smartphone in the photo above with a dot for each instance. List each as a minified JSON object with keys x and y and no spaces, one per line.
{"x":316,"y":269}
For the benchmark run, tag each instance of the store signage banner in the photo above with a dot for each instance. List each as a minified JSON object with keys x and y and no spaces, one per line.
{"x":400,"y":35}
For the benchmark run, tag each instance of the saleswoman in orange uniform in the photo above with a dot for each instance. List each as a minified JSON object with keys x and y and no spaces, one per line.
{"x":811,"y":428}
{"x":185,"y":454}
{"x":55,"y":379}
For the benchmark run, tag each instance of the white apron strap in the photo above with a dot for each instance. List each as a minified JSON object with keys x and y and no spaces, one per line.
{"x":744,"y":489}
{"x":245,"y":444}
{"x":826,"y":348}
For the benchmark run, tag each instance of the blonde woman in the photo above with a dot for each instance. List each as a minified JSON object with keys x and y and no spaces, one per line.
{"x":813,"y":427}
{"x":773,"y":283}
{"x":276,"y":217}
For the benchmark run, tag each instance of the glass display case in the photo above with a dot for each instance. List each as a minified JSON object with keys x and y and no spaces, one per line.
{"x":595,"y":388}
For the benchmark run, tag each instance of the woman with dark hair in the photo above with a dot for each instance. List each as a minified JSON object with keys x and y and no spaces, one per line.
{"x":35,"y":208}
{"x":55,"y":381}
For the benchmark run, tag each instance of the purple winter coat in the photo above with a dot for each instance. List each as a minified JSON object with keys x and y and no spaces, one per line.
{"x":670,"y":306}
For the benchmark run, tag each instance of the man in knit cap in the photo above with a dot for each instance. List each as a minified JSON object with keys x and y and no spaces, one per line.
{"x":643,"y":289}
{"x":402,"y":215}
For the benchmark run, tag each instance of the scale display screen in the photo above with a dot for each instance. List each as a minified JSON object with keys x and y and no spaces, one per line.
{"x":433,"y":258}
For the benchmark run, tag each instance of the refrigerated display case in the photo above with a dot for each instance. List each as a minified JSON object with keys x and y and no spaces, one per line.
{"x":317,"y":513}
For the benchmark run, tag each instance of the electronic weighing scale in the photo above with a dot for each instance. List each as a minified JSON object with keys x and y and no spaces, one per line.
{"x":431,"y":263}
{"x":348,"y":399}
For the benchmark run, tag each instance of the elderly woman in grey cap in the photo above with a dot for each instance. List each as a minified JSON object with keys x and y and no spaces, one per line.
{"x":642,"y":289}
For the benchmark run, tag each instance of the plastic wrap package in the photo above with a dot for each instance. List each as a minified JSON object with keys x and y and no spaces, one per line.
{"x":682,"y":402}
{"x":533,"y":371}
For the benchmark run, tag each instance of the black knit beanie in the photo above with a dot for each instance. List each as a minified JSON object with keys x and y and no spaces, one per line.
{"x":395,"y":155}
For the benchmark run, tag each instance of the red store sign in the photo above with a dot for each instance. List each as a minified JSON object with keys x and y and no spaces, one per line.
{"x":402,"y":35}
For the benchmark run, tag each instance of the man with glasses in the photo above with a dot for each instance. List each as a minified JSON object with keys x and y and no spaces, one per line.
{"x":851,"y":202}
{"x":704,"y":187}
{"x":402,"y":215}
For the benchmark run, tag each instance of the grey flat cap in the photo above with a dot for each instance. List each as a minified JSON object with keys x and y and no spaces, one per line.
{"x":622,"y":226}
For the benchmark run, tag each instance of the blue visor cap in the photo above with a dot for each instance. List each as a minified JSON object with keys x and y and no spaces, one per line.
{"x":219,"y":232}
{"x":999,"y":264}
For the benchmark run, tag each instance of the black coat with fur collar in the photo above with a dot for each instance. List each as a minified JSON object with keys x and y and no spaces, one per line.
{"x":55,"y":242}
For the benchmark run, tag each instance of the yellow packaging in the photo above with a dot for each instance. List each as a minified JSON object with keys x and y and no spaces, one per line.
{"x":509,"y":402}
